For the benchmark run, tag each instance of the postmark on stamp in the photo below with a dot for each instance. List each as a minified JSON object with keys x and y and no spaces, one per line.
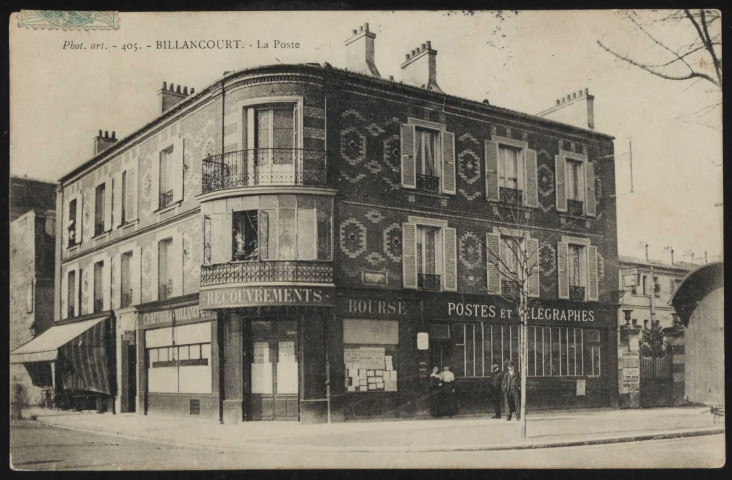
{"x":69,"y":19}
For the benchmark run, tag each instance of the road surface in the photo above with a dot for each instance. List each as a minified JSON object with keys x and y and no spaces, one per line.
{"x":35,"y":446}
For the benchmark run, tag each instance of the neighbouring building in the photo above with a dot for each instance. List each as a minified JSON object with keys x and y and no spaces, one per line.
{"x":699,"y":302}
{"x":32,"y":249}
{"x":272,"y":247}
{"x":647,"y":287}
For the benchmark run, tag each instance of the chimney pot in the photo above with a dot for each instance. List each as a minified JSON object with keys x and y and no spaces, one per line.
{"x":355,"y":32}
{"x":114,"y":135}
{"x":165,"y":85}
{"x":360,"y":52}
{"x":406,"y":57}
{"x":366,"y":26}
{"x":100,"y":133}
{"x":429,"y":45}
{"x":191,"y":91}
{"x":185,"y":90}
{"x":557,"y":101}
{"x":423,"y":46}
{"x":587,"y":91}
{"x":360,"y":29}
{"x":177,"y":90}
{"x":420,"y":70}
{"x":106,"y":134}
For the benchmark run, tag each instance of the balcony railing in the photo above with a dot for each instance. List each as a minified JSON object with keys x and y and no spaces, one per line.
{"x":427,"y":281}
{"x":511,"y":196}
{"x":575,"y":207}
{"x":166,"y":199}
{"x":267,"y":271}
{"x":577,"y":293}
{"x":264,"y":166}
{"x":428,"y":182}
{"x":509,"y":288}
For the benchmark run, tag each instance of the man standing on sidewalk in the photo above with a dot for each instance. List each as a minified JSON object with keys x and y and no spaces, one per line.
{"x":495,"y":393}
{"x":512,"y":392}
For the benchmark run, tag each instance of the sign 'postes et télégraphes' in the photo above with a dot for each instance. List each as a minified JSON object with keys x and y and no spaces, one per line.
{"x":481,"y":310}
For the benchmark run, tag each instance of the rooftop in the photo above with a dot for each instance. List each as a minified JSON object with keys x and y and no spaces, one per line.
{"x":622,"y":259}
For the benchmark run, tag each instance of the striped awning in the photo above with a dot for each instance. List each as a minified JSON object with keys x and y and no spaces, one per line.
{"x":82,"y":352}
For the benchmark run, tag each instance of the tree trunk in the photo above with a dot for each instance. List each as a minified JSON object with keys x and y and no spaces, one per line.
{"x":524,"y":361}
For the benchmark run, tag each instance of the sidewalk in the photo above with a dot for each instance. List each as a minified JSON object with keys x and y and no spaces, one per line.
{"x":545,"y":430}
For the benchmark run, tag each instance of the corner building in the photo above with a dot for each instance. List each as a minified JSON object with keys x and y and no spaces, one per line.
{"x":270,"y":248}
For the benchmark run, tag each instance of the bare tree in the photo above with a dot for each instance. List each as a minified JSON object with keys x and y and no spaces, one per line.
{"x":516,"y":262}
{"x":685,"y":44}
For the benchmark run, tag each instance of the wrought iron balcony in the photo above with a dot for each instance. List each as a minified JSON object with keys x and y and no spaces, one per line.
{"x":267,"y":271}
{"x":264,"y":166}
{"x":166,"y":199}
{"x":575,"y":207}
{"x":428,"y":182}
{"x":509,"y":288}
{"x":511,"y":196}
{"x":427,"y":281}
{"x":576,"y":294}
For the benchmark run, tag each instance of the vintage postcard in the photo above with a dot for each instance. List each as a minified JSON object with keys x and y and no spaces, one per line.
{"x":378,"y":239}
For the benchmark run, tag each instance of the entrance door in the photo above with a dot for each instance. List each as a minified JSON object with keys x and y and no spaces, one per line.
{"x":274,"y":370}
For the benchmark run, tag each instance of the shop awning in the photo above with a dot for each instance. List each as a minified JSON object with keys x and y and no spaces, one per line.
{"x":44,"y":348}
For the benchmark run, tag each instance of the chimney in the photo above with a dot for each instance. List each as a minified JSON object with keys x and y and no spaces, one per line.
{"x":360,"y":51}
{"x":420,"y":68}
{"x":576,"y":109}
{"x":103,"y":142}
{"x":170,"y":95}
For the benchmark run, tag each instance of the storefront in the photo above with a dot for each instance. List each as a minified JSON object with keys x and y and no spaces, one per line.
{"x":379,"y":371}
{"x":273,"y":351}
{"x":177,"y":360}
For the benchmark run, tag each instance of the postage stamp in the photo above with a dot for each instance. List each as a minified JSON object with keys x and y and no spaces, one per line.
{"x":69,"y":19}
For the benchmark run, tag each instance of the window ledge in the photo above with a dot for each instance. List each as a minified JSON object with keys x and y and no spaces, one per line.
{"x":130,"y":223}
{"x":73,"y":248}
{"x":513,"y":205}
{"x":169,"y":207}
{"x":101,"y":236}
{"x":427,"y":193}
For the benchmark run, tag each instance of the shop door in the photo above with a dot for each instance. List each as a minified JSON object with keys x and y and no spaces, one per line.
{"x":131,"y":377}
{"x":274,"y":371}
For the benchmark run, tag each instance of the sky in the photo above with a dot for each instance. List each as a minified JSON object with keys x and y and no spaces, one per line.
{"x":61,"y":97}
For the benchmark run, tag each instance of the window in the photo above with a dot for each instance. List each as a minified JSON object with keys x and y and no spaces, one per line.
{"x":575,"y":184}
{"x":644,"y":281}
{"x":511,"y":182}
{"x":72,"y":227}
{"x":576,"y":269}
{"x":286,"y":227}
{"x":165,"y":283}
{"x":70,"y":294}
{"x":124,"y":200}
{"x":656,"y":287}
{"x":428,"y":158}
{"x":574,"y":180}
{"x":370,"y":355}
{"x":275,"y":142}
{"x":428,"y":271}
{"x":166,"y":178}
{"x":513,"y":261}
{"x":478,"y":345}
{"x":245,"y":232}
{"x":125,"y":280}
{"x":98,"y":288}
{"x":99,"y":196}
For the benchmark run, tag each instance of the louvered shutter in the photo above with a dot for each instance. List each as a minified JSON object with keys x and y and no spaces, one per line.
{"x":219,"y":253}
{"x":450,"y":259}
{"x":136,"y":275}
{"x":562,"y":269}
{"x":65,"y":295}
{"x":117,"y":281}
{"x":592,"y":277}
{"x":590,"y":200}
{"x":177,"y":169}
{"x":89,"y":281}
{"x":108,"y":188}
{"x":79,"y":218}
{"x":154,"y":283}
{"x":409,"y":168}
{"x":448,"y":163}
{"x":560,"y":164}
{"x":131,"y":211}
{"x":491,"y":171}
{"x":155,"y":183}
{"x":227,"y":239}
{"x":531,"y":188}
{"x":532,"y":245}
{"x":175,"y":264}
{"x":493,"y":255}
{"x":409,"y":255}
{"x":117,"y":200}
{"x":106,"y":283}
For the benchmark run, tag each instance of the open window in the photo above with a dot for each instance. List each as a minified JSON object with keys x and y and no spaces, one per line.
{"x":429,"y":255}
{"x":428,"y":157}
{"x":577,"y":269}
{"x":511,"y":172}
{"x":575,"y":184}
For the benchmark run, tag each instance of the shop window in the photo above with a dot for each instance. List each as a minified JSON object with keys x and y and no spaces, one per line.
{"x":179,"y":368}
{"x":370,"y":355}
{"x":562,"y":352}
{"x":478,"y":345}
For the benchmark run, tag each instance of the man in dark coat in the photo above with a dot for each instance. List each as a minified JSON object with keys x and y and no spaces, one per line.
{"x":496,"y":393}
{"x":511,"y":388}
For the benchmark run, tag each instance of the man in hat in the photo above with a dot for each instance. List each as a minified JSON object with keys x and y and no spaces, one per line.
{"x":511,"y":391}
{"x":496,"y":393}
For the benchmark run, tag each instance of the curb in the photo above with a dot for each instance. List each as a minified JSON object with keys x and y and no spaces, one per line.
{"x":401,"y":449}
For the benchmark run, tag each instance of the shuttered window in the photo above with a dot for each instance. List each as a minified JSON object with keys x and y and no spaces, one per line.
{"x":428,"y":157}
{"x":575,"y":184}
{"x":577,"y":270}
{"x":510,"y":172}
{"x":429,"y":256}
